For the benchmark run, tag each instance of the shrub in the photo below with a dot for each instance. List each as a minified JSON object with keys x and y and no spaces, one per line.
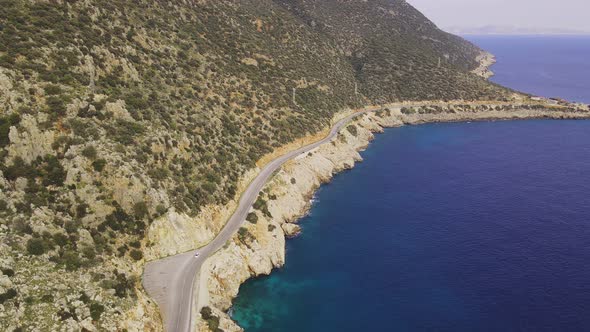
{"x":8,"y":272}
{"x":161,"y":209}
{"x":244,"y":234}
{"x":260,"y":203}
{"x":57,"y":106}
{"x":60,"y":239}
{"x":212,"y":320}
{"x":9,"y":294}
{"x":159,"y":173}
{"x":3,"y":205}
{"x":89,"y":252}
{"x":47,"y":298}
{"x":99,"y":165}
{"x":96,"y":310}
{"x":71,"y":260}
{"x":136,"y":254}
{"x":35,"y":247}
{"x":89,"y":152}
{"x":293,"y":181}
{"x":71,"y":226}
{"x":5,"y":124}
{"x":82,"y":210}
{"x":19,"y":169}
{"x":53,"y":172}
{"x":125,"y":132}
{"x":52,"y":89}
{"x":252,"y":217}
{"x":352,"y":130}
{"x":407,"y":111}
{"x":84,"y":298}
{"x":140,"y":210}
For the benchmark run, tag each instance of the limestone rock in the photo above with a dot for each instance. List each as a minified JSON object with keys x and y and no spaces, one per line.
{"x":291,"y":230}
{"x":29,"y":142}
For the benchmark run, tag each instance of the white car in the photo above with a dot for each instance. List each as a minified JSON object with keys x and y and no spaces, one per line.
{"x":196,"y":254}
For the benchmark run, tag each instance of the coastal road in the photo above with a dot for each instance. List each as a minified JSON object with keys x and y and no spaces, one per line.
{"x":170,"y":281}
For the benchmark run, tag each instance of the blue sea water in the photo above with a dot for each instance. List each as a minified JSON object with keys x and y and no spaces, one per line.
{"x":557,"y":66}
{"x":444,"y":227}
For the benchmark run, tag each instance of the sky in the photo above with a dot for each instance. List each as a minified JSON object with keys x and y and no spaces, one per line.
{"x":545,"y":15}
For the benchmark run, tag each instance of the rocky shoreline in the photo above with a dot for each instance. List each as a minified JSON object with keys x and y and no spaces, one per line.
{"x":486,"y":60}
{"x":259,"y":247}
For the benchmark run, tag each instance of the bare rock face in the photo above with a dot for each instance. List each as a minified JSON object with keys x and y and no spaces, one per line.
{"x":30,"y":141}
{"x":118,"y":110}
{"x":291,"y":230}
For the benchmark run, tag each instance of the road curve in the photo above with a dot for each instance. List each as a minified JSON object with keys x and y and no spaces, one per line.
{"x":170,"y":281}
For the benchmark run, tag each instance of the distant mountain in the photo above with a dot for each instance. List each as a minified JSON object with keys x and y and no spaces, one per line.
{"x":512,"y":30}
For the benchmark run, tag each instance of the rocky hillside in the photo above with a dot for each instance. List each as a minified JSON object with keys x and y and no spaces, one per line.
{"x":116,"y":113}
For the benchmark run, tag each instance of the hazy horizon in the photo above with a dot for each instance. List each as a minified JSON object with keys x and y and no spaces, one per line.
{"x":507,"y":16}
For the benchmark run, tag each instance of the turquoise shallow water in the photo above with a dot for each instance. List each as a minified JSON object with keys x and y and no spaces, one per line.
{"x":443,"y":227}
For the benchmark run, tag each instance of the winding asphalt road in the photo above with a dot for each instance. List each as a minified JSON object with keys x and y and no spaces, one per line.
{"x":170,"y":281}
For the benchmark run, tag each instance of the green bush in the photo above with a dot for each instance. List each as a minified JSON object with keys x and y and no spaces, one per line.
{"x":96,"y":310}
{"x":260,"y":203}
{"x":212,"y":320}
{"x":99,"y":165}
{"x":140,"y":210}
{"x":8,"y":272}
{"x":9,"y":294}
{"x":60,"y":239}
{"x":47,"y":298}
{"x":252,"y":217}
{"x":136,"y":254}
{"x":71,"y":260}
{"x":352,"y":130}
{"x":408,"y":111}
{"x":56,"y":105}
{"x":53,"y":172}
{"x":52,"y":89}
{"x":19,"y":169}
{"x":125,"y":132}
{"x":35,"y":246}
{"x":3,"y":205}
{"x":72,"y":226}
{"x":89,"y":152}
{"x":5,"y":124}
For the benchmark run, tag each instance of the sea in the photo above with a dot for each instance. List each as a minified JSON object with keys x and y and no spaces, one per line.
{"x":481,"y":226}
